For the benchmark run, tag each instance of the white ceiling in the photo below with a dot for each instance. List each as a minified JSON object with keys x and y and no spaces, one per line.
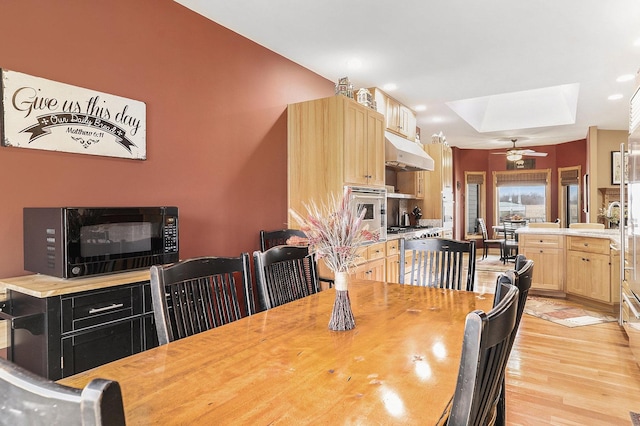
{"x":439,"y":53}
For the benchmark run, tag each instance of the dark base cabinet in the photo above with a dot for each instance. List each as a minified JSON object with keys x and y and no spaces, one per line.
{"x":59,"y":336}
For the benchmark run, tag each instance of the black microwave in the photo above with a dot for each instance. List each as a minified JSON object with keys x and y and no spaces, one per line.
{"x":69,"y":242}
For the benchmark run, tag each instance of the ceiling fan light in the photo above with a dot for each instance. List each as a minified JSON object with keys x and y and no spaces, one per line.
{"x":514,"y":157}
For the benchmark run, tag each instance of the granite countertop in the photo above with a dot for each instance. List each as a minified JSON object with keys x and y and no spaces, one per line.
{"x":611,"y":234}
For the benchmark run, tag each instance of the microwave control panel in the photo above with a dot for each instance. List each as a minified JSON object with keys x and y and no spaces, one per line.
{"x":171,"y":234}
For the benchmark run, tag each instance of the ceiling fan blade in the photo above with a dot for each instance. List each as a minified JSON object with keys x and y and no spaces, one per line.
{"x":535,"y":154}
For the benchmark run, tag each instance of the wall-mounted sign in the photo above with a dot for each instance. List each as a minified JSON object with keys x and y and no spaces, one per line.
{"x":42,"y":114}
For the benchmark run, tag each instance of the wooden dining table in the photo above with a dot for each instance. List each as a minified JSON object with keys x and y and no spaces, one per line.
{"x":399,"y":365}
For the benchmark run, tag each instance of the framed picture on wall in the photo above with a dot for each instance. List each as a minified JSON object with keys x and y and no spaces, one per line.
{"x":617,"y":167}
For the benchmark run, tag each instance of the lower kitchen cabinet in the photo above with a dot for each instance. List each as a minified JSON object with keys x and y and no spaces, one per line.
{"x":584,"y":267}
{"x":392,"y":261}
{"x":373,"y":266}
{"x":371,"y":270}
{"x":547,"y":253}
{"x":589,"y":268}
{"x":59,"y":336}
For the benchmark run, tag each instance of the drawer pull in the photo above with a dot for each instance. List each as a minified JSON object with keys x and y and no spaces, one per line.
{"x":106,"y":308}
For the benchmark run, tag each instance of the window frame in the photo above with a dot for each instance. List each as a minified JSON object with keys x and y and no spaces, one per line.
{"x":562,"y":205}
{"x":482,"y":200}
{"x":547,"y":191}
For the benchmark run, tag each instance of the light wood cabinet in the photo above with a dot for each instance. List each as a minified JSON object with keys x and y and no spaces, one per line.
{"x":363,"y":146}
{"x":399,"y":118}
{"x":392,"y":262}
{"x":373,"y":263}
{"x":438,"y":184}
{"x":332,"y":142}
{"x":411,"y":183}
{"x":589,"y":268}
{"x":547,"y":253}
{"x":373,"y":270}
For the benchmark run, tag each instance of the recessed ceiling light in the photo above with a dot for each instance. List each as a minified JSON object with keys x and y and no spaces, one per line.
{"x":420,"y":108}
{"x":625,"y":77}
{"x":389,"y":87}
{"x":615,"y":97}
{"x":354,"y":64}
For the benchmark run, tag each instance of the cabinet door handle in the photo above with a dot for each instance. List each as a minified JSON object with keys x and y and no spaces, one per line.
{"x":106,"y":308}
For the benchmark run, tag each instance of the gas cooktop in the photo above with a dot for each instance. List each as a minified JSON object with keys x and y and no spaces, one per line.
{"x":412,"y":232}
{"x":400,"y":229}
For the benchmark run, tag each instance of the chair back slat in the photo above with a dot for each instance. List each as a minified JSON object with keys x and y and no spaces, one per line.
{"x":284,"y":274}
{"x":199,"y":294}
{"x":438,"y":262}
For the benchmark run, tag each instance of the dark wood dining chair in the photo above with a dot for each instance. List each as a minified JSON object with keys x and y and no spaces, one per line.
{"x":485,"y":351}
{"x":521,"y":278}
{"x":28,"y":399}
{"x":198,"y":294}
{"x":279,"y":237}
{"x":486,"y":241}
{"x":510,"y":241}
{"x":284,"y":274}
{"x":438,"y":262}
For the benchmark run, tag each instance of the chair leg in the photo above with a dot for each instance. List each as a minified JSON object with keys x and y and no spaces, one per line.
{"x":501,"y":407}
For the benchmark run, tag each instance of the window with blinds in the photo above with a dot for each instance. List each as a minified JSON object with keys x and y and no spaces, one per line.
{"x":523,"y":195}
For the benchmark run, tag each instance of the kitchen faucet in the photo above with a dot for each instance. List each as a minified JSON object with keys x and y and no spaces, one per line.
{"x":611,"y":206}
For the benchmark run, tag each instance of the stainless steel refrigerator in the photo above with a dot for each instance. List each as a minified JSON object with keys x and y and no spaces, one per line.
{"x":630,"y":231}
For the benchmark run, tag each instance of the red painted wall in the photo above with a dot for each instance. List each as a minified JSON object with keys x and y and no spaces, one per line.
{"x":216,"y":119}
{"x":562,"y":155}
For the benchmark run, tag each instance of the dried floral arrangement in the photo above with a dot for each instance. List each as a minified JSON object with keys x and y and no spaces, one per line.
{"x":336,"y":233}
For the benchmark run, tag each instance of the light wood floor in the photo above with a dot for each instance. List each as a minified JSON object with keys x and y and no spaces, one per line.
{"x":569,"y":376}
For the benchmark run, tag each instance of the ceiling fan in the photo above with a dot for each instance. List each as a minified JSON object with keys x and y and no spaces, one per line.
{"x":515,"y":154}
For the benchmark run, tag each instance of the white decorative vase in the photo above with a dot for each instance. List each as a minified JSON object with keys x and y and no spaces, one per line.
{"x":341,"y":317}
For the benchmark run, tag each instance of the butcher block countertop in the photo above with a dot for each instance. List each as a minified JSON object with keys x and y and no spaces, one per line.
{"x":44,"y":286}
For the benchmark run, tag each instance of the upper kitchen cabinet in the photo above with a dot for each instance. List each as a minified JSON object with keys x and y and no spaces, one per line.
{"x":399,"y":119}
{"x":411,"y":183}
{"x":332,"y":142}
{"x":363,"y":145}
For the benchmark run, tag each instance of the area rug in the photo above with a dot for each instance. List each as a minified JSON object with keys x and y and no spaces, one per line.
{"x":559,"y":312}
{"x":492,"y":263}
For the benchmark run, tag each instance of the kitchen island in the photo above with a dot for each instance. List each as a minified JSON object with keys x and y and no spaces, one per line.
{"x":581,"y":264}
{"x":59,"y":327}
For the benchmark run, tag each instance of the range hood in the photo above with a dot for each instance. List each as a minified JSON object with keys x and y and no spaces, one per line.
{"x":402,"y":154}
